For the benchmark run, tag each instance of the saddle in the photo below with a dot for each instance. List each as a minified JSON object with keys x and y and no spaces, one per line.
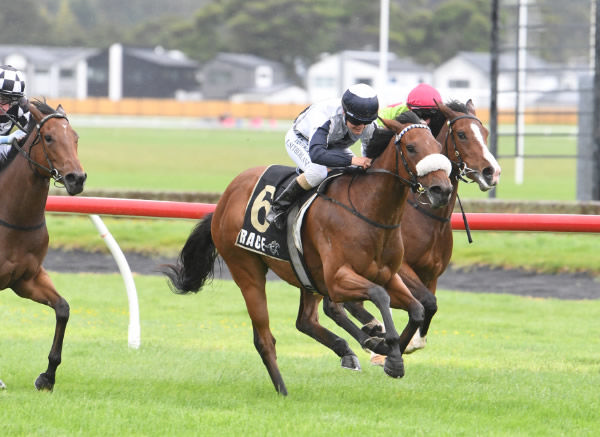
{"x":256,"y":235}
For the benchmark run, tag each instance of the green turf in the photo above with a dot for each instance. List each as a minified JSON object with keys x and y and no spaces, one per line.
{"x":207,"y":160}
{"x":495,"y":365}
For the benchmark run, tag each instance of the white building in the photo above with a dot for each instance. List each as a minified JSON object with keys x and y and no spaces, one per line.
{"x":467,"y":76}
{"x":329,"y":77}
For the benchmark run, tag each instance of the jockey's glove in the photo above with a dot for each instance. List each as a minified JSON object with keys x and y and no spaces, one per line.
{"x":8,"y":139}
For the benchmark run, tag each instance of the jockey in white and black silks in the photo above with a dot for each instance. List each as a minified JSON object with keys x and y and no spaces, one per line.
{"x":14,"y":107}
{"x":321,"y":137}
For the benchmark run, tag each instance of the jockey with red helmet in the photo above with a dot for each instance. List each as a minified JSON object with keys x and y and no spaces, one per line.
{"x":421,"y":100}
{"x":14,"y":107}
{"x":321,"y":137}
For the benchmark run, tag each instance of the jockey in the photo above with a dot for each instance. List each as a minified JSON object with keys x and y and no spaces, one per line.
{"x":421,"y":100}
{"x":14,"y":107}
{"x":321,"y":137}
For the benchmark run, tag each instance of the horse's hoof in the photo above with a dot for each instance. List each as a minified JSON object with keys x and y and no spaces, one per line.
{"x":44,"y":383}
{"x":377,"y":345}
{"x":416,"y":343}
{"x":394,"y":367}
{"x":350,"y":362}
{"x":2,"y":385}
{"x":377,"y":360}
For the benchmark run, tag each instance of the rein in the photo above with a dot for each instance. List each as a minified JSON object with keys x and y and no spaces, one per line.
{"x":37,"y":138}
{"x":415,"y":186}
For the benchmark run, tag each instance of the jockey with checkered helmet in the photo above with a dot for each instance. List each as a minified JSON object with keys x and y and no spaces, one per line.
{"x":420,"y":100}
{"x":14,"y":107}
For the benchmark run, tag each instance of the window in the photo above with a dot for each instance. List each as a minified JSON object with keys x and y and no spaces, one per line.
{"x":364,"y":80}
{"x":324,"y":82}
{"x":458,"y":83}
{"x":66,"y":73}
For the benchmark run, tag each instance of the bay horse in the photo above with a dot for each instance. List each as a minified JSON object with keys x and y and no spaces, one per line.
{"x":350,"y":256}
{"x":48,"y":151}
{"x":426,"y":231}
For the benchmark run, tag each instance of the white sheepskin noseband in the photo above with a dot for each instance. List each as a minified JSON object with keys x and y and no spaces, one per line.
{"x":433,"y":162}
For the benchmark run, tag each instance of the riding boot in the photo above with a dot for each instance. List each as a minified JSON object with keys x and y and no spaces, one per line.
{"x":279,"y":207}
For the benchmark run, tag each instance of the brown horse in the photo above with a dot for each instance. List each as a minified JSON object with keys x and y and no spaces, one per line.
{"x":350,"y":256}
{"x":426,"y":231}
{"x":49,"y":151}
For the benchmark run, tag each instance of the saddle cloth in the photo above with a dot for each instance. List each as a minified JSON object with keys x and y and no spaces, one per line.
{"x":256,"y":235}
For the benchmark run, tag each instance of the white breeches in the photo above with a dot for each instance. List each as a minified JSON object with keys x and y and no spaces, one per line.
{"x":297,"y":148}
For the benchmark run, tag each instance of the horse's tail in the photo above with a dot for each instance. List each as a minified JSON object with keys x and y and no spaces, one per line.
{"x":196,"y":261}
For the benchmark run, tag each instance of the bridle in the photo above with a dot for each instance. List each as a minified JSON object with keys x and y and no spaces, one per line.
{"x":35,"y":138}
{"x":463,"y":170}
{"x":414,"y":185}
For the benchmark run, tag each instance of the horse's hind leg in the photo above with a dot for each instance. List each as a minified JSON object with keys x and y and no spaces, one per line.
{"x":40,"y":289}
{"x":371,"y":325}
{"x":308,"y":323}
{"x":249,"y":273}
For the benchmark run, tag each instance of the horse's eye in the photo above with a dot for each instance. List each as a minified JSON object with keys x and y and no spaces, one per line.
{"x":410,"y":148}
{"x":462,"y":135}
{"x":48,"y":138}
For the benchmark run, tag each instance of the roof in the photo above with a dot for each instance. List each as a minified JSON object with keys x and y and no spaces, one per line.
{"x":506,"y":61}
{"x":394,"y":62}
{"x":244,"y":60}
{"x":47,"y":55}
{"x":160,"y":56}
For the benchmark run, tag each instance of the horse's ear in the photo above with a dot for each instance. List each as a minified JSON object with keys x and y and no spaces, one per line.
{"x":35,"y":111}
{"x":470,"y":106}
{"x":60,"y":110}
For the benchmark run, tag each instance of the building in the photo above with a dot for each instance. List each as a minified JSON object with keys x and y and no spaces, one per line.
{"x":333,"y":74}
{"x":132,"y":72}
{"x":468,"y":76}
{"x":246,"y":77}
{"x":116,"y":72}
{"x":50,"y":71}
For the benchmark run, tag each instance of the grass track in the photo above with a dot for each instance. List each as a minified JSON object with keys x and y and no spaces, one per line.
{"x":494,"y":365}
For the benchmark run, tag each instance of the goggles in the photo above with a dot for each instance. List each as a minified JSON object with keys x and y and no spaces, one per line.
{"x":426,"y":113}
{"x":8,"y":100}
{"x":355,"y":121}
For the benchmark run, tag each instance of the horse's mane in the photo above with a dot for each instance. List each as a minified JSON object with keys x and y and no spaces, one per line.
{"x":45,"y":109}
{"x":382,"y":136}
{"x":457,"y":106}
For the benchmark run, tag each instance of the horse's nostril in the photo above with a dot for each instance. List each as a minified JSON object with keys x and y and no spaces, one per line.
{"x":75,"y":178}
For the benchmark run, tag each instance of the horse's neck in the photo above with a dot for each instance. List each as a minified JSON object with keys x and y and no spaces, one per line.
{"x":23,"y":193}
{"x":382,"y":196}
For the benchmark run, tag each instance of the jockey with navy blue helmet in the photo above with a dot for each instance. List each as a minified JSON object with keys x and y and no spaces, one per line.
{"x":14,"y":107}
{"x":321,"y":137}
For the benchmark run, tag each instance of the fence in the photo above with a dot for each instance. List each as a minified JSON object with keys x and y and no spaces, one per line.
{"x":185,"y":210}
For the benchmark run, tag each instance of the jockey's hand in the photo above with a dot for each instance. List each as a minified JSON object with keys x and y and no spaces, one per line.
{"x":8,"y":139}
{"x":361,"y":161}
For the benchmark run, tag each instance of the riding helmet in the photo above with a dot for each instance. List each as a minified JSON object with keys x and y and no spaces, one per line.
{"x":423,"y":96}
{"x":12,"y":81}
{"x":360,"y":102}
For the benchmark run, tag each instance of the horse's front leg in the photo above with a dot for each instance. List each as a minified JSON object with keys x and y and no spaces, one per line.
{"x":346,"y":285}
{"x":308,"y":323}
{"x":40,"y":289}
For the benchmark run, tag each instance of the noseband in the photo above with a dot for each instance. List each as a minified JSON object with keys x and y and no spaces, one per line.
{"x":33,"y":140}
